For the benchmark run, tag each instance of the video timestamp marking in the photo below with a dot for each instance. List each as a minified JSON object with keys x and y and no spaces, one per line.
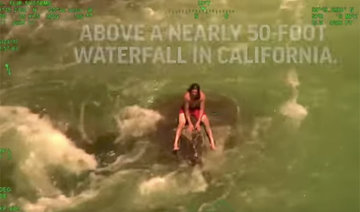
{"x":334,"y":16}
{"x":3,"y":195}
{"x":10,"y":208}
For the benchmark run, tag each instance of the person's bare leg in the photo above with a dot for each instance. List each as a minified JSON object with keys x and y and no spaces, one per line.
{"x":181,"y":125}
{"x":206,"y":122}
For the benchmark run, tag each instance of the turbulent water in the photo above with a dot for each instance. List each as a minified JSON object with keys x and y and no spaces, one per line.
{"x":88,"y":137}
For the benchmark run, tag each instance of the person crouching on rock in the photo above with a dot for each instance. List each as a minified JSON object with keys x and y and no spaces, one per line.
{"x":194,"y":104}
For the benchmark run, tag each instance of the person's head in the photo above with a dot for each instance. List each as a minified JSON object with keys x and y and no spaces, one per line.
{"x":194,"y":91}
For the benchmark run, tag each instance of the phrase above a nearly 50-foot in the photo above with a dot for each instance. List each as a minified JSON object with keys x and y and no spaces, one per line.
{"x":200,"y":44}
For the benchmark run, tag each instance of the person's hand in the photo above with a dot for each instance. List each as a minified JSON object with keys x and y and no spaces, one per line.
{"x":175,"y":149}
{"x":197,"y":126}
{"x":190,"y":127}
{"x":212,"y":146}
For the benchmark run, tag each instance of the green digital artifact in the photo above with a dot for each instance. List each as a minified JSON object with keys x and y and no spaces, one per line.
{"x":196,"y":15}
{"x":8,"y":69}
{"x":226,"y":16}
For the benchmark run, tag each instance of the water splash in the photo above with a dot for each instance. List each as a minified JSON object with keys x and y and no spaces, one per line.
{"x":135,"y":121}
{"x":291,"y":109}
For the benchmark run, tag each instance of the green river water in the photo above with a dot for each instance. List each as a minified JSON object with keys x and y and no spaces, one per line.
{"x":292,"y":144}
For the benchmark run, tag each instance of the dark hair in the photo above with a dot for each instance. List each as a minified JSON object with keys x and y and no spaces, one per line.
{"x":195,"y":86}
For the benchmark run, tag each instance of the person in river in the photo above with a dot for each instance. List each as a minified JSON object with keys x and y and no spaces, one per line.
{"x":194,"y":104}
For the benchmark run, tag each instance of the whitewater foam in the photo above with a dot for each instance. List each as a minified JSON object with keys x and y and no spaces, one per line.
{"x":174,"y":183}
{"x":36,"y":146}
{"x":134,"y":121}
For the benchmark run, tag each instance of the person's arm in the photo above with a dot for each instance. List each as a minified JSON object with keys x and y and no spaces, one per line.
{"x":187,"y":114}
{"x":202,"y":108}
